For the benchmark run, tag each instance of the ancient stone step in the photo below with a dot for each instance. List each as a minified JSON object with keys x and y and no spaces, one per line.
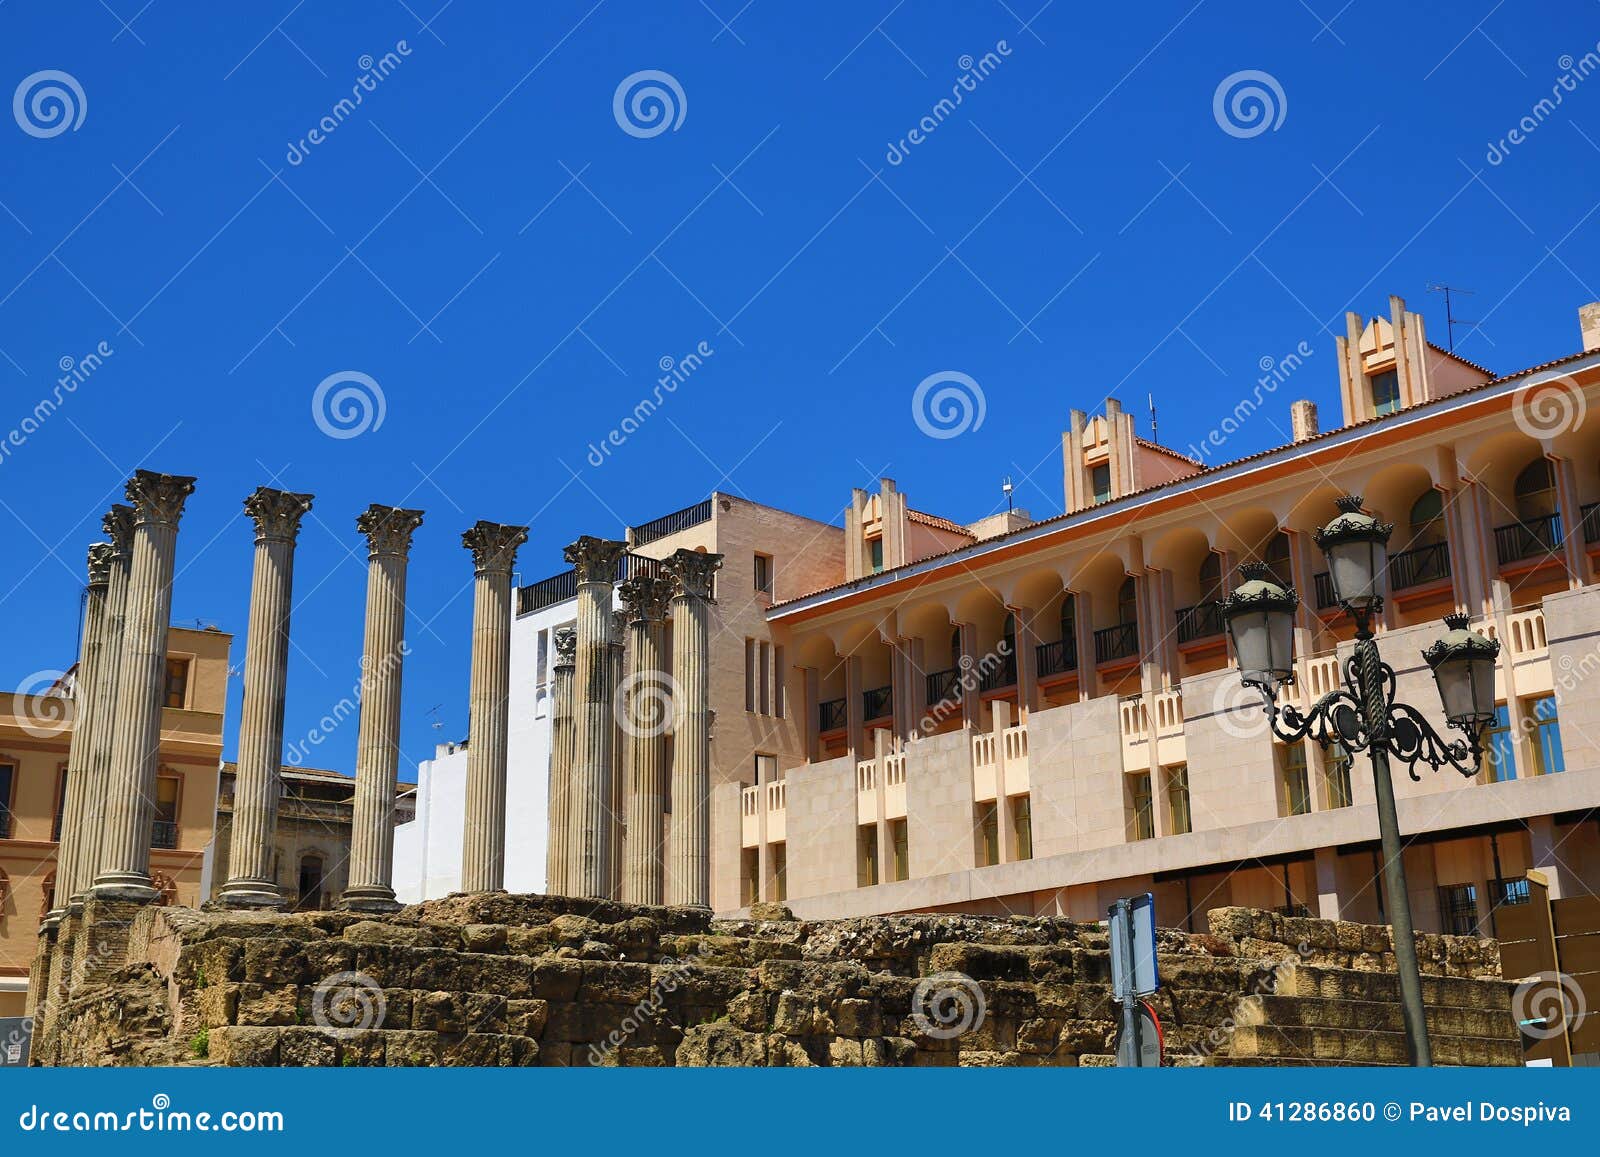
{"x":1371,"y":1016}
{"x":1363,"y":1046}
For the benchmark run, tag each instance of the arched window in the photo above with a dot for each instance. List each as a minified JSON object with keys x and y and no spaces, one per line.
{"x":1069,"y":616}
{"x":955,"y":647}
{"x":1277,"y":559}
{"x":1008,"y":633}
{"x":1127,"y":602}
{"x":1535,"y":491}
{"x":1211,"y":577}
{"x":1427,"y":519}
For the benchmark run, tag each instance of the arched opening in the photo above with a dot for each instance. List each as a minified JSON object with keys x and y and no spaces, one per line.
{"x":1277,"y":559}
{"x":1534,"y":492}
{"x":310,"y":890}
{"x":1127,"y":602}
{"x":1427,"y":519}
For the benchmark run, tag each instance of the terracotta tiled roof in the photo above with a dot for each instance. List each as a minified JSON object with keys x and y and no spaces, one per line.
{"x":938,"y":523}
{"x":1168,"y":451}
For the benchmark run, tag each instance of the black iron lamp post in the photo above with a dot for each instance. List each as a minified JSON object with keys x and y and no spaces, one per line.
{"x":1363,"y":714}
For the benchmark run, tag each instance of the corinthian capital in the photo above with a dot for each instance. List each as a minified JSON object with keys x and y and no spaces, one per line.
{"x":692,"y":572}
{"x":158,"y":498}
{"x":493,"y":546}
{"x":118,"y":524}
{"x":276,"y":513}
{"x":646,"y":598}
{"x":101,"y":556}
{"x":595,"y":559}
{"x":388,"y":529}
{"x":566,"y":647}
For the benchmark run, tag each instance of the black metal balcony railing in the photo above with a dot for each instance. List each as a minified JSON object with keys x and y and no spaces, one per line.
{"x":1419,"y":565}
{"x":1532,"y":538}
{"x":877,"y":703}
{"x":672,"y":523}
{"x":558,"y":588}
{"x":1591,"y":523}
{"x":1056,"y":658}
{"x":1323,"y":581}
{"x":944,"y":686}
{"x":833,"y":715}
{"x":163,"y":834}
{"x":999,"y":676}
{"x":1118,"y":642}
{"x":1202,"y":621}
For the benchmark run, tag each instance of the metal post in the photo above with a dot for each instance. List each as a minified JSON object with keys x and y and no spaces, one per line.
{"x":1130,"y":1013}
{"x":1405,"y":939}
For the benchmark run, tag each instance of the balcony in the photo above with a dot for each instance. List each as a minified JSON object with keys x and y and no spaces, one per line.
{"x":1056,"y":658}
{"x":1534,"y":538}
{"x":163,"y":834}
{"x":672,"y":523}
{"x":944,"y":687}
{"x":877,"y":703}
{"x":1420,"y":565}
{"x":1113,"y":644}
{"x":558,"y":588}
{"x":1000,"y":676}
{"x":1202,"y":621}
{"x":1591,"y":523}
{"x":832,"y":715}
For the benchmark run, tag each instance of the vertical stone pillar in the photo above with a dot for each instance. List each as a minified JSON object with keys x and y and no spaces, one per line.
{"x":617,"y":652}
{"x":251,"y":879}
{"x":689,"y":852}
{"x":124,"y":872}
{"x":388,"y":530}
{"x":647,"y":716}
{"x":89,"y":714}
{"x":558,"y":857}
{"x":118,"y":524}
{"x":494,"y":552}
{"x":594,"y":723}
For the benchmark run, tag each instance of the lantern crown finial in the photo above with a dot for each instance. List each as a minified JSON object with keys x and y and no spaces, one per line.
{"x":1348,"y":503}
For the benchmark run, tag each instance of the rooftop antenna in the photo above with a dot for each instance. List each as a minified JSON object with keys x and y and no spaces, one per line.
{"x":1152,"y":399}
{"x":1450,"y":319}
{"x":1005,"y":485}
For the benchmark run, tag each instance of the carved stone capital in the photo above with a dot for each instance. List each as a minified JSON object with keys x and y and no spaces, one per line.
{"x":276,"y":513}
{"x":691,"y":572}
{"x":118,"y":525}
{"x":158,"y":498}
{"x":646,"y":598}
{"x":493,"y":546}
{"x":566,"y":647}
{"x":101,"y":557}
{"x":595,"y":559}
{"x":388,"y":529}
{"x":619,"y":628}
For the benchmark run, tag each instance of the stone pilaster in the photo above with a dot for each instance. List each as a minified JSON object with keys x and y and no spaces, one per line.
{"x":594,"y":722}
{"x":494,"y":552}
{"x":644,"y":705}
{"x":124,"y":872}
{"x":688,"y":874}
{"x":258,"y":783}
{"x":388,"y":530}
{"x":559,"y":814}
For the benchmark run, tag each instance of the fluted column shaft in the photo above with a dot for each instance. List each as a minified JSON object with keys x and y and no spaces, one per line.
{"x":594,"y":722}
{"x":689,"y":850}
{"x":646,"y":720}
{"x":559,"y":815}
{"x":124,"y":872}
{"x":494,"y":551}
{"x":617,"y":810}
{"x":371,"y":882}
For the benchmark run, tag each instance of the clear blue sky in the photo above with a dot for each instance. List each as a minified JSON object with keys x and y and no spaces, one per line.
{"x":483,"y":239}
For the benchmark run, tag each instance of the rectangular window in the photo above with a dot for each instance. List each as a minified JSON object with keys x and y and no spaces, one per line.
{"x":750,"y":876}
{"x":164,"y":830}
{"x":1292,"y":773}
{"x":987,"y":831}
{"x":541,"y":664}
{"x":766,"y":768}
{"x":866,"y":855}
{"x":1547,"y":737}
{"x":1336,"y":771}
{"x":61,"y":806}
{"x":749,"y":674}
{"x":1022,"y":826}
{"x":1458,"y":909}
{"x":8,"y":783}
{"x":1506,"y":893}
{"x":875,"y":546}
{"x":1100,"y":482}
{"x":1499,"y":748}
{"x":1178,"y":799}
{"x":901,"y":865}
{"x":780,"y":677}
{"x":1386,"y":392}
{"x":763,"y":573}
{"x":764,"y":677}
{"x":779,"y":854}
{"x":177,"y":682}
{"x":1141,"y":816}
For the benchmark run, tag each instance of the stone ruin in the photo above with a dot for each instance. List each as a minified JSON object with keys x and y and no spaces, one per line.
{"x":499,"y":979}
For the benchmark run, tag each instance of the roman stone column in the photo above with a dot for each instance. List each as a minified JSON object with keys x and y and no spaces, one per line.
{"x":251,"y":882}
{"x":124,"y":872}
{"x":646,"y":718}
{"x":118,"y":524}
{"x":559,"y":814}
{"x":689,"y":850}
{"x":618,"y":654}
{"x":88,"y":714}
{"x":594,"y":722}
{"x":494,"y":552}
{"x":371,"y":883}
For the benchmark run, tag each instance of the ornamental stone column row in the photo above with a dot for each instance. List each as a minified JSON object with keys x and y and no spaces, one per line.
{"x":559,"y":812}
{"x":494,"y":551}
{"x":251,"y":879}
{"x":646,"y":718}
{"x":591,"y":819}
{"x":688,"y":869}
{"x":388,"y":530}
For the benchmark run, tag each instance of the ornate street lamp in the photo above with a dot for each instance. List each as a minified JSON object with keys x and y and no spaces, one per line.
{"x":1363,"y":714}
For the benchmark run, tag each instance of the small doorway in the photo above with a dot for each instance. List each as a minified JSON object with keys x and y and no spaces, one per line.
{"x":310,"y":884}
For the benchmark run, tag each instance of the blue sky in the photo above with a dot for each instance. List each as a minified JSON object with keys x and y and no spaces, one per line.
{"x":485,"y":239}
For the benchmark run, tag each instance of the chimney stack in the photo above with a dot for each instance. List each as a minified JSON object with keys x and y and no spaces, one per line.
{"x":1589,"y":321}
{"x":1303,"y":420}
